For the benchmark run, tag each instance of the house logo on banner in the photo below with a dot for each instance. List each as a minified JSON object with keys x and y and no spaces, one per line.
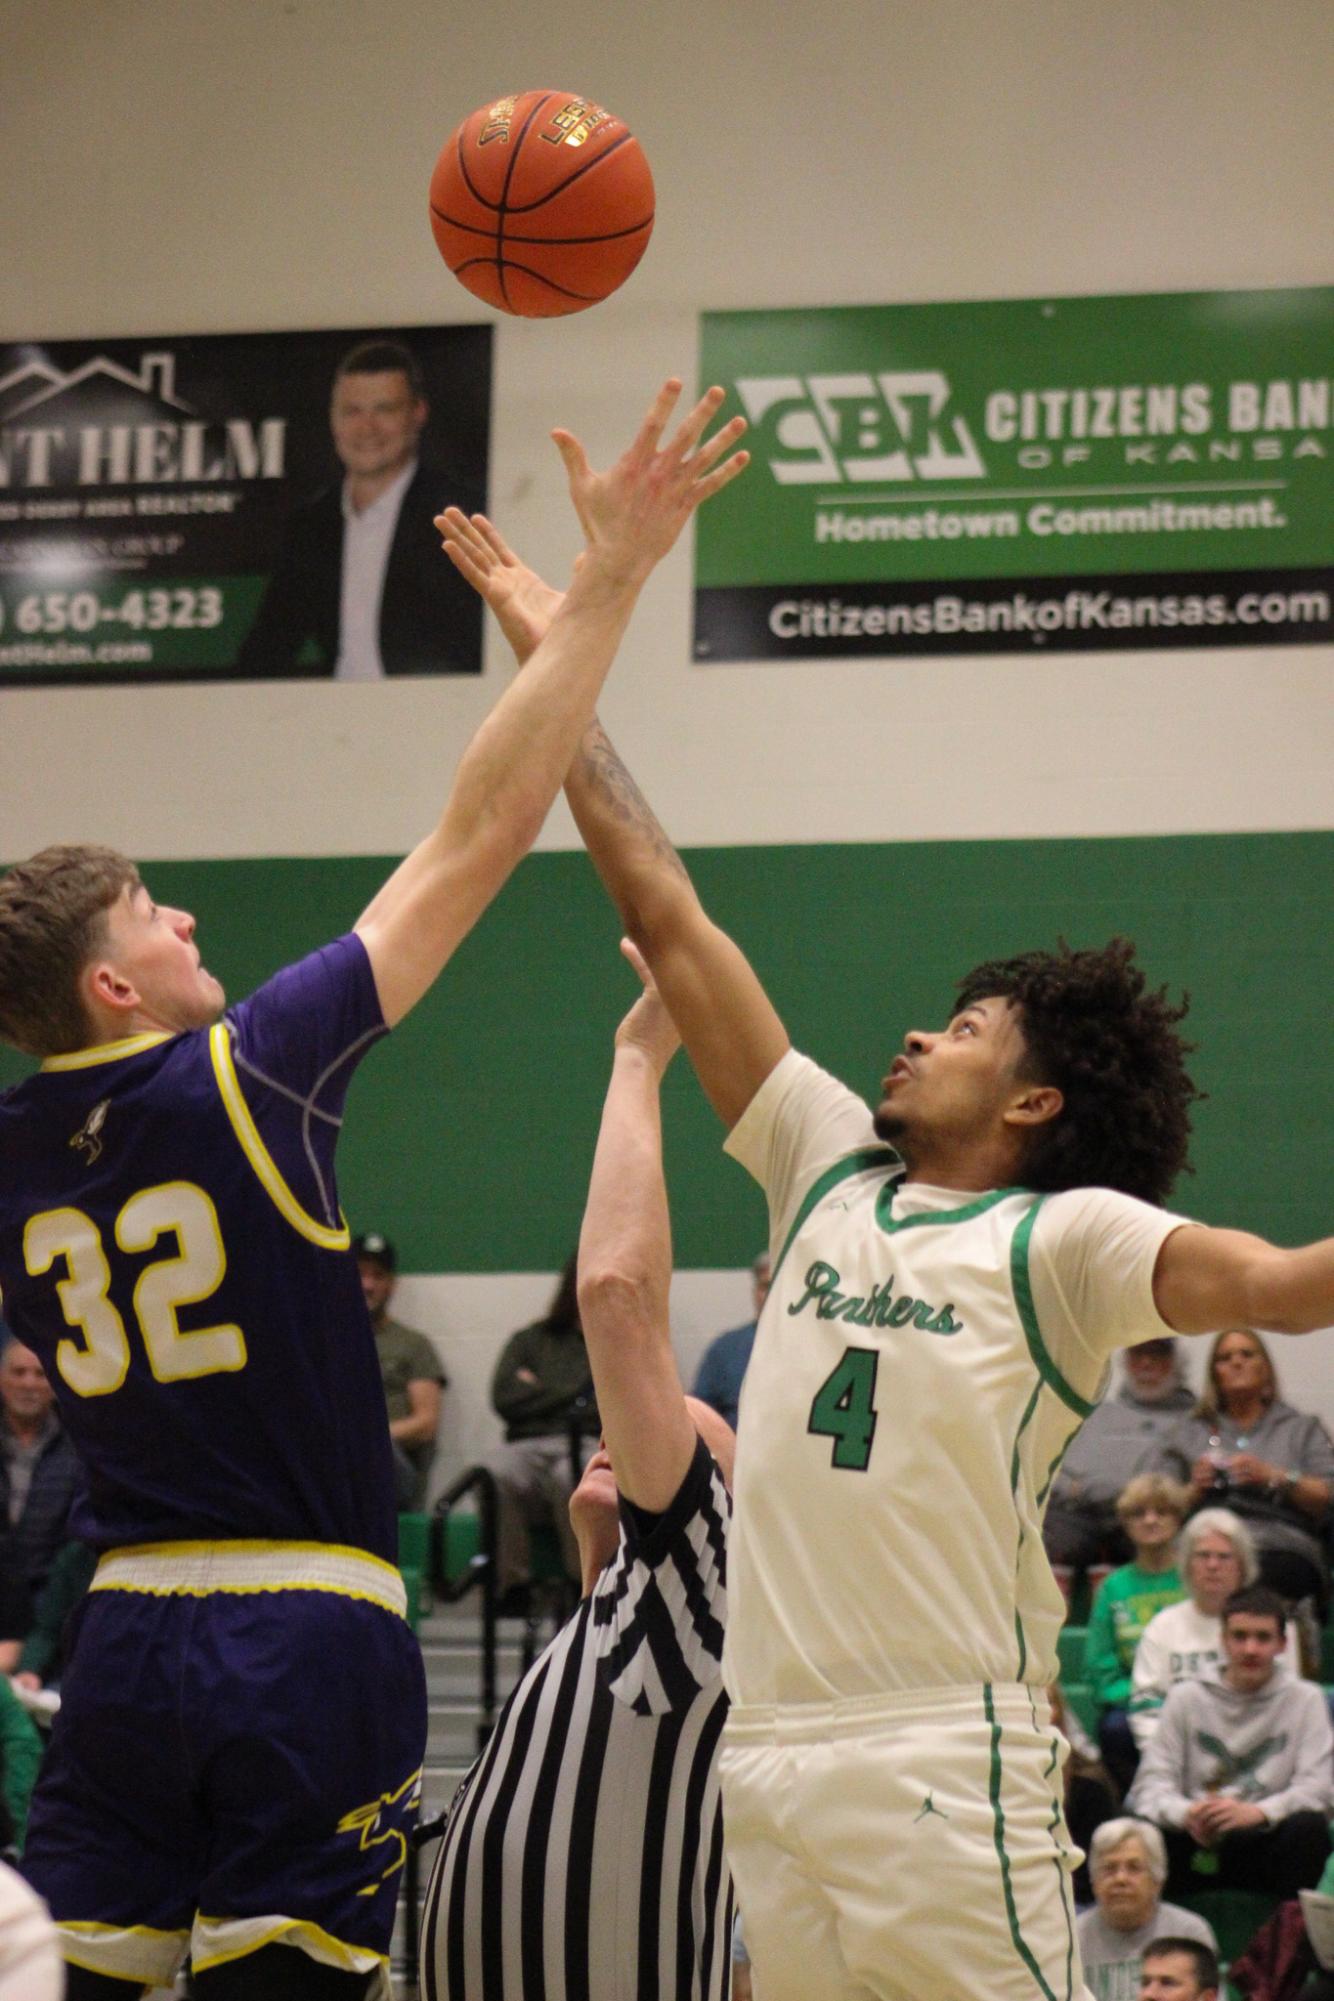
{"x":1135,"y":471}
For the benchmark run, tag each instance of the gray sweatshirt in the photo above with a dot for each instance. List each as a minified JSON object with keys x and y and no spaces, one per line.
{"x":1274,"y":1748}
{"x":1124,"y":1436}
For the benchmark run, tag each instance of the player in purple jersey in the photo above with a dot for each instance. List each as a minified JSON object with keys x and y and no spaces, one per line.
{"x":236,"y":1764}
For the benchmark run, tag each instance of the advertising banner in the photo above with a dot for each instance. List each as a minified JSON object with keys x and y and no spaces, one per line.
{"x":1020,"y":474}
{"x":239,"y":506}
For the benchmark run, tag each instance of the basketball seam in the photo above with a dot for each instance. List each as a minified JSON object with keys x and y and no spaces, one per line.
{"x":524,"y":208}
{"x":504,"y":264}
{"x":524,"y":130}
{"x":475,"y":229}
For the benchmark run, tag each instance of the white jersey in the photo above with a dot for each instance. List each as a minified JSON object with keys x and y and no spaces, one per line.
{"x":922,"y":1363}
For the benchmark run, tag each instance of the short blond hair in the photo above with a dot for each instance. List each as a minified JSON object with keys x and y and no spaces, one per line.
{"x":53,"y":911}
{"x":1153,"y":1489}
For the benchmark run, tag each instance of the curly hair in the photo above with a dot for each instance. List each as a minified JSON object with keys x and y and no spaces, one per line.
{"x":1111,"y":1048}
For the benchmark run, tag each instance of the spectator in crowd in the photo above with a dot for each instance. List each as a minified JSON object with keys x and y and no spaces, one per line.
{"x":20,"y":1756}
{"x":1151,"y":1509}
{"x":1128,"y":1865}
{"x":1179,"y":1969}
{"x":1082,"y":1529}
{"x":722,"y":1368}
{"x":1089,"y":1796}
{"x":1216,"y":1557}
{"x":543,"y":1389}
{"x":1271,"y":1464}
{"x":38,"y":1467}
{"x":1240,"y":1771}
{"x":410,"y":1370}
{"x":41,"y":1657}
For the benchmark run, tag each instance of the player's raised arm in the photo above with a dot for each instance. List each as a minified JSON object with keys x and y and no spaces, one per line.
{"x":512,"y":769}
{"x":625,"y":1269}
{"x":1206,"y":1280}
{"x":730,"y":1028}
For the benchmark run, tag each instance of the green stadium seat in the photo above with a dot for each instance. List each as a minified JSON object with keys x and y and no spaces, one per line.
{"x":1070,"y":1644}
{"x":461,"y":1541}
{"x":1080,"y":1702}
{"x":414,"y":1541}
{"x":414,"y":1563}
{"x":1236,"y":1916}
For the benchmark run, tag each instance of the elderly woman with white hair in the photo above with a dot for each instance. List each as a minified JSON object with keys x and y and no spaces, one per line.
{"x":1128,"y":1867}
{"x":1215,"y":1556}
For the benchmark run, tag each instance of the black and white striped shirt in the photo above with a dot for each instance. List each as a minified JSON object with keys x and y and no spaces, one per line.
{"x":583,"y":1859}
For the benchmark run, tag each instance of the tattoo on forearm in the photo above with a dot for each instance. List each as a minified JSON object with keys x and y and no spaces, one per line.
{"x":615,"y":790}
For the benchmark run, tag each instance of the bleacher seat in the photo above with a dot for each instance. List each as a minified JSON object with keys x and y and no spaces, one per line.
{"x":414,"y":1560}
{"x":1070,"y":1643}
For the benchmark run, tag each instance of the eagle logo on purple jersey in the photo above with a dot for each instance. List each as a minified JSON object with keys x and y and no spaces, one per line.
{"x":88,"y":1139}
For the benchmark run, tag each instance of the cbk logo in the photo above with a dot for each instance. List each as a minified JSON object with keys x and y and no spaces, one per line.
{"x":863,"y":428}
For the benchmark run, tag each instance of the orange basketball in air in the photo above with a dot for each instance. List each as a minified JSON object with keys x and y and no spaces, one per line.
{"x":542,"y":203}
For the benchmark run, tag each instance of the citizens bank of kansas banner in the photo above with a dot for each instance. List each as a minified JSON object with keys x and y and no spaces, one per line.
{"x":174,"y":508}
{"x":1023,"y":474}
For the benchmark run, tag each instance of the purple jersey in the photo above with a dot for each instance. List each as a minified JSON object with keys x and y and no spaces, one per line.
{"x":172,"y":1248}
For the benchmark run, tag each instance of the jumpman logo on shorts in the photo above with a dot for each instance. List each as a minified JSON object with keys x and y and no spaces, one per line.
{"x":928,"y":1806}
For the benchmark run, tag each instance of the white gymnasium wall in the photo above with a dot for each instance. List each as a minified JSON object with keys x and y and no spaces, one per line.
{"x":168,"y":166}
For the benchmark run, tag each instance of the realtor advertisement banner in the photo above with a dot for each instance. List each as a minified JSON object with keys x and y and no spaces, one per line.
{"x":176,"y":508}
{"x":1023,"y":474}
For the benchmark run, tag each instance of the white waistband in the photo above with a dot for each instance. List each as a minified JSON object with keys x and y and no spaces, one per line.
{"x":198,"y":1569}
{"x":856,"y":1715}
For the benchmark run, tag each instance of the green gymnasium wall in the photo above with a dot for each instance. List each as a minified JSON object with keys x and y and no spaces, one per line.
{"x":471,"y":1130}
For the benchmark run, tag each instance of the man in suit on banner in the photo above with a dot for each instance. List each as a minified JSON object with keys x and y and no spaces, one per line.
{"x":361,"y":589}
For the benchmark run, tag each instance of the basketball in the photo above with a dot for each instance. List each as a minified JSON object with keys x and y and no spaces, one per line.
{"x":542,"y":203}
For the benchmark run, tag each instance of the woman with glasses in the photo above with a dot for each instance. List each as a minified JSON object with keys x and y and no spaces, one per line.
{"x":1269,"y":1463}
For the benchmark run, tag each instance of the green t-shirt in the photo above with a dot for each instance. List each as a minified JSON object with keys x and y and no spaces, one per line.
{"x":406,"y":1357}
{"x":1129,"y":1598}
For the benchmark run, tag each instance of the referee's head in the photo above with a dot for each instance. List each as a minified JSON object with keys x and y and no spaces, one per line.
{"x":595,"y":1503}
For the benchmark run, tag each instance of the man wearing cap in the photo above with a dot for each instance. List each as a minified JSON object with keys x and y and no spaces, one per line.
{"x":1081,"y":1531}
{"x":414,"y":1381}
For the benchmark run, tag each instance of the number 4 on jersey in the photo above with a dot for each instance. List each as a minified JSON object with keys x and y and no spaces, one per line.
{"x":844,"y":1409}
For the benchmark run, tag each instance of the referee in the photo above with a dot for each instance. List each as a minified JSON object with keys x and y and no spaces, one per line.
{"x":583,"y":1854}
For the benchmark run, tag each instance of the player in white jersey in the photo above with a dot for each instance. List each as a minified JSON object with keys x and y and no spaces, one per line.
{"x":951,"y":1277}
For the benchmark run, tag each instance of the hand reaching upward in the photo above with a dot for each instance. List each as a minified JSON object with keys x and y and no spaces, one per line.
{"x":648,"y":1027}
{"x":523,"y":602}
{"x":633,"y":512}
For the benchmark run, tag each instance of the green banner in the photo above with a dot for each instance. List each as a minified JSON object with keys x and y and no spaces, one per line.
{"x":1149,"y":470}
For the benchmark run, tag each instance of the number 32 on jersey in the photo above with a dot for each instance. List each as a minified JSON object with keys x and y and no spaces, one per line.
{"x":99,"y":1364}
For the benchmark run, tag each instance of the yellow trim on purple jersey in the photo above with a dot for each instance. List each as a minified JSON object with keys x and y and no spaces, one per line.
{"x":203,"y":1569}
{"x":107,"y":1052}
{"x":123,"y":1952}
{"x":266,"y":1169}
{"x":252,"y":1934}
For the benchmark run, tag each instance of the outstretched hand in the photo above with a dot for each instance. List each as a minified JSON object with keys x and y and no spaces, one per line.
{"x":523,"y":602}
{"x":648,"y":1026}
{"x":632,"y":513}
